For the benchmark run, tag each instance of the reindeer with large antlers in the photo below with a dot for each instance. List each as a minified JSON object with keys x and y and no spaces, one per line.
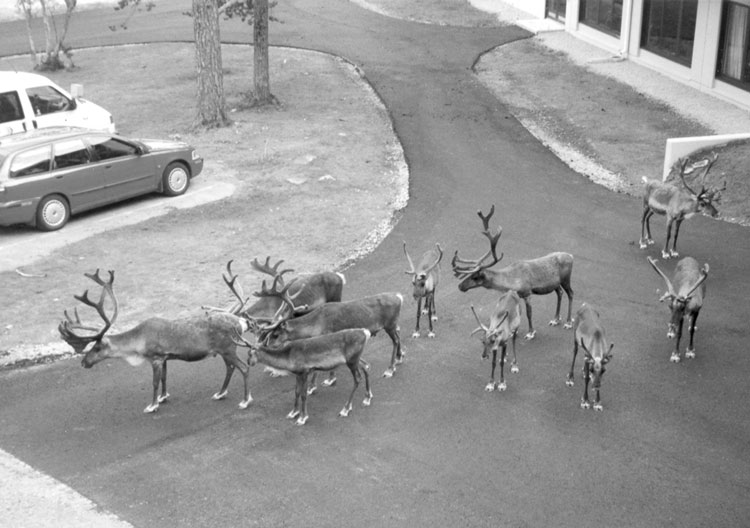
{"x":677,"y":204}
{"x":540,"y":276}
{"x":156,"y":340}
{"x":685,"y":293}
{"x":504,"y":324}
{"x":588,"y":332}
{"x":424,"y":279}
{"x":325,"y":352}
{"x":376,"y":312}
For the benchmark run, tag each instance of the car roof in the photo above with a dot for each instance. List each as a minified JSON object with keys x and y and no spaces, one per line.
{"x":14,"y":142}
{"x":16,"y":79}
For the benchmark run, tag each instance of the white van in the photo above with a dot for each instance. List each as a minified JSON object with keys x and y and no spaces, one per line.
{"x":29,"y":101}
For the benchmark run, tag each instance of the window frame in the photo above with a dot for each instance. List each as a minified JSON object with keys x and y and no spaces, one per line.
{"x":745,"y":67}
{"x":599,"y":26}
{"x":662,"y":52}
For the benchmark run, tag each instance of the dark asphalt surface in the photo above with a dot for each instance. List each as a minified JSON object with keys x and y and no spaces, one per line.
{"x":670,"y":449}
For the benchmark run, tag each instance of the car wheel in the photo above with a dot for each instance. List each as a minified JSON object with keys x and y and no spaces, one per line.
{"x":176,"y":179}
{"x":53,"y":213}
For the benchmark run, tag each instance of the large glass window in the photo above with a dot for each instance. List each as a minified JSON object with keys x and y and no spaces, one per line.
{"x":605,"y":15}
{"x":34,"y":161}
{"x":669,"y":28}
{"x":733,"y":63}
{"x":556,"y":9}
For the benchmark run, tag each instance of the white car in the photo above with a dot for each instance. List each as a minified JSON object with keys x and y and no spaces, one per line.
{"x":29,"y":101}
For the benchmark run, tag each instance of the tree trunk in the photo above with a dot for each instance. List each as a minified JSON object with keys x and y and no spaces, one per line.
{"x":211,"y":111}
{"x":26,"y":7}
{"x":261,"y":78}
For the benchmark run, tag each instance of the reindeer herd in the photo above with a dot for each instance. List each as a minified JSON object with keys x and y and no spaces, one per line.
{"x":301,"y":326}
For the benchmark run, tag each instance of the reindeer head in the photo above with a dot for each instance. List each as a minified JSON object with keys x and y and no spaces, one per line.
{"x":423,"y":277}
{"x":492,"y":338}
{"x":473,"y":273}
{"x":707,"y":197}
{"x":596,"y":360}
{"x":101,"y":347}
{"x":678,"y":302}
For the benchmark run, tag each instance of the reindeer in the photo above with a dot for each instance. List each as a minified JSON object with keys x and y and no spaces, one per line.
{"x":504,"y":324}
{"x":157,"y":340}
{"x":540,"y":276}
{"x":685,"y":293}
{"x":425,"y":280}
{"x":589,"y":333}
{"x":376,"y":312}
{"x":308,"y":291}
{"x":677,"y":204}
{"x":325,"y":352}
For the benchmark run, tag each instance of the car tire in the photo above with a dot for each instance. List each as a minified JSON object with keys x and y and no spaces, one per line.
{"x":53,"y":213}
{"x":176,"y":179}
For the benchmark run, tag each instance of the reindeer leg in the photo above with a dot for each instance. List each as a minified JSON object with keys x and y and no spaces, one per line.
{"x":303,"y":395}
{"x":366,"y":372}
{"x":585,"y":403}
{"x":571,"y":379}
{"x":569,"y":292}
{"x":556,"y":320}
{"x":491,"y":385}
{"x":230,"y":370}
{"x":232,"y":361}
{"x":354,"y":368}
{"x":643,"y":242}
{"x":675,"y":357}
{"x":158,"y":368}
{"x":312,"y":386}
{"x":665,"y":253}
{"x":396,"y":355}
{"x":434,"y":315}
{"x":502,"y":386}
{"x":514,"y":365}
{"x":677,"y":225}
{"x":597,"y":402}
{"x":532,"y":332}
{"x":690,"y":352}
{"x":331,"y":381}
{"x":430,"y":305}
{"x":297,"y":389}
{"x":164,"y":394}
{"x":419,"y":315}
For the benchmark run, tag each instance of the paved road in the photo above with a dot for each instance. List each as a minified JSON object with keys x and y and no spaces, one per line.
{"x":670,"y":449}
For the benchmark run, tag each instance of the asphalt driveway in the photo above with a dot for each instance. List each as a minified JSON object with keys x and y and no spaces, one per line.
{"x":670,"y":448}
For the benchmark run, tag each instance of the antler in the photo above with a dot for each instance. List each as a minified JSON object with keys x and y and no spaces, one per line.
{"x":280,"y":290}
{"x":67,"y":328}
{"x":231,"y":281}
{"x":670,"y":288}
{"x":709,"y":163}
{"x":412,"y":270}
{"x":464,"y":267}
{"x":701,"y":280}
{"x":266,"y":268}
{"x":481,"y":325}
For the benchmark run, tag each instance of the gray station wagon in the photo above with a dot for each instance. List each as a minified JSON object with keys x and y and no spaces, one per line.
{"x":48,"y":174}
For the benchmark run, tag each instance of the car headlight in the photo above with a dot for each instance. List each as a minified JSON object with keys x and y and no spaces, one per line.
{"x":196,"y":156}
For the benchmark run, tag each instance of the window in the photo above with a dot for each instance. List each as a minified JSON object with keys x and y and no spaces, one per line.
{"x":47,"y":100}
{"x":669,"y":28}
{"x":109,"y":148}
{"x":70,"y":153}
{"x":34,"y":161}
{"x":10,"y":107}
{"x":605,"y":15}
{"x":733,"y":64}
{"x":556,"y":9}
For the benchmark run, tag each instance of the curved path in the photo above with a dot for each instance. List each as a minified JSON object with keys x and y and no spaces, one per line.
{"x":670,"y":448}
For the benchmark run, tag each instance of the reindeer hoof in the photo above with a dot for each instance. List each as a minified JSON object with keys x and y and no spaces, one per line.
{"x":388,"y":373}
{"x":330,"y":382}
{"x":292,"y":414}
{"x":431,"y":334}
{"x":490,"y":387}
{"x":673,"y":254}
{"x":569,"y":382}
{"x":585,"y":404}
{"x":530,"y":336}
{"x":151,"y":408}
{"x":642,"y":244}
{"x":415,"y":335}
{"x":598,"y":407}
{"x":312,"y":390}
{"x":345,"y":411}
{"x":568,"y":325}
{"x":690,"y":353}
{"x":367,"y":401}
{"x":244,"y":404}
{"x":514,"y":369}
{"x":162,"y":398}
{"x":554,"y":322}
{"x":301,"y":420}
{"x":502,"y":386}
{"x":434,"y":318}
{"x":219,"y":395}
{"x":674,"y":358}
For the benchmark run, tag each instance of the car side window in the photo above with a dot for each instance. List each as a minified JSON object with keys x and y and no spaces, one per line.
{"x":109,"y":148}
{"x":10,"y":107}
{"x":47,"y":100}
{"x":30,"y":162}
{"x":70,"y":153}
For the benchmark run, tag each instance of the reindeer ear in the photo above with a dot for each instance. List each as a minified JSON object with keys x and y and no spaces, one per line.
{"x":608,"y":355}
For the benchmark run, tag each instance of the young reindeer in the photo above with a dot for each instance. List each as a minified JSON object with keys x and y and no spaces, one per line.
{"x":676,"y":204}
{"x":157,"y":340}
{"x":376,"y":312}
{"x":424,"y":279}
{"x":504,"y":324}
{"x":325,"y":352}
{"x":588,"y":332}
{"x":685,"y":293}
{"x":540,"y":276}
